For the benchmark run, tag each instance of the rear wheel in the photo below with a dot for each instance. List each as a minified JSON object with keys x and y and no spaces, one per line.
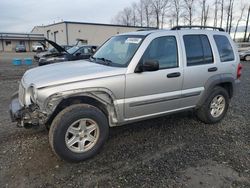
{"x":215,"y":107}
{"x":78,"y":132}
{"x":247,"y":58}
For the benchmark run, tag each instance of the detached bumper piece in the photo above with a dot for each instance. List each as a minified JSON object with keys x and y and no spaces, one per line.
{"x":25,"y":117}
{"x":15,"y":108}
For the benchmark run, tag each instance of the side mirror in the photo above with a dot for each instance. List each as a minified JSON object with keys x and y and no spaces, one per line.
{"x":78,"y":54}
{"x":147,"y":66}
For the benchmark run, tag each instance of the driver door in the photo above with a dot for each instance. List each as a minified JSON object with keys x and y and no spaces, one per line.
{"x":156,"y":92}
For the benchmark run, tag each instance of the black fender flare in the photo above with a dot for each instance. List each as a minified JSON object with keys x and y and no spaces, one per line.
{"x":215,"y":81}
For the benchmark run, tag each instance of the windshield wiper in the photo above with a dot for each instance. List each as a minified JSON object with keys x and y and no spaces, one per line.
{"x":104,"y":60}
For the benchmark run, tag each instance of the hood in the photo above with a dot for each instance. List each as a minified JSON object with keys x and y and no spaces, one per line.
{"x":66,"y":72}
{"x":56,"y":46}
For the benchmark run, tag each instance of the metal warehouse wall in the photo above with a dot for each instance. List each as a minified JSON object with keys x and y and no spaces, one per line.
{"x":94,"y":34}
{"x":55,"y":32}
{"x":67,"y":32}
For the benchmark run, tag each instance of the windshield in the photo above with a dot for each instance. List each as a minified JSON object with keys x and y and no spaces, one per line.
{"x":73,"y":49}
{"x":118,"y":50}
{"x":53,"y":50}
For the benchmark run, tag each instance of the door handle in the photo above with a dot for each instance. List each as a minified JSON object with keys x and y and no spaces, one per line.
{"x":212,"y":69}
{"x":173,"y":75}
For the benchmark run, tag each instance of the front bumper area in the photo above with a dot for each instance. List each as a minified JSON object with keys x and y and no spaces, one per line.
{"x":15,"y":108}
{"x":24,"y":116}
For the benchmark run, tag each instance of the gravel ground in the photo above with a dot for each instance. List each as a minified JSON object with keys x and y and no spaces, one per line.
{"x":172,"y":151}
{"x":9,"y":71}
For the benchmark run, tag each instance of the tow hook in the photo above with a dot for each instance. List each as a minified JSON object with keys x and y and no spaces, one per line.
{"x":21,"y":124}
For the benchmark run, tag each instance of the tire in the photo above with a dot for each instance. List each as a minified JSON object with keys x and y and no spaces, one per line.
{"x":205,"y":113}
{"x":72,"y":119}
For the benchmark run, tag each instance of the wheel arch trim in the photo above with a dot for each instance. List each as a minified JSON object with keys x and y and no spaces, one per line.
{"x":214,"y":81}
{"x":102,"y":95}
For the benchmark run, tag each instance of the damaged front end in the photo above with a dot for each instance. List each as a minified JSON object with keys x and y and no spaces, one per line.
{"x":26,"y":117}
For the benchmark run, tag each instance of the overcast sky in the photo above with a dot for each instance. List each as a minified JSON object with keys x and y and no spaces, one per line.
{"x":23,"y":15}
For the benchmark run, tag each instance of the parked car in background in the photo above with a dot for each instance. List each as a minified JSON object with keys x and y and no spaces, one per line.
{"x":53,"y":50}
{"x":38,"y":48}
{"x":20,"y":48}
{"x":245,"y":55}
{"x":243,"y":46}
{"x":72,"y":54}
{"x":132,"y":77}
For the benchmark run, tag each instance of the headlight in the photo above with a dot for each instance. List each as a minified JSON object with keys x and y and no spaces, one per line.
{"x":33,"y":93}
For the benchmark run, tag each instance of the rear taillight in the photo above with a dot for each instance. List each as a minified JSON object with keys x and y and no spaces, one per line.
{"x":239,"y":70}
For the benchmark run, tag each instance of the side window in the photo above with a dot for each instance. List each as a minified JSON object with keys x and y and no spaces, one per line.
{"x":84,"y":51}
{"x":224,"y":47}
{"x":198,"y":50}
{"x":164,"y":50}
{"x":208,"y":55}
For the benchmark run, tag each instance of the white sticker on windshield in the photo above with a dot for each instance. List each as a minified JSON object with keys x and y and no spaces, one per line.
{"x":133,"y":40}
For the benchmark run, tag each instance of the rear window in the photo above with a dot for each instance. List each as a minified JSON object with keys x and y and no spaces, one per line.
{"x":198,"y":50}
{"x":224,"y":47}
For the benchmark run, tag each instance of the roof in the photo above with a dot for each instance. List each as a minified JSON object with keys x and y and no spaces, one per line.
{"x":99,"y":24}
{"x":21,"y":36}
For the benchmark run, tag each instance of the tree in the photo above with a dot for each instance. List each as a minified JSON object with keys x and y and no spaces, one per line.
{"x":204,"y":12}
{"x":139,"y":8}
{"x":189,"y":7}
{"x":124,"y":17}
{"x":177,"y":10}
{"x":231,"y":17}
{"x":246,"y":28}
{"x":159,"y":9}
{"x":215,"y":13}
{"x":134,"y":14}
{"x":221,"y":16}
{"x":229,"y":12}
{"x":239,"y":19}
{"x":146,"y":6}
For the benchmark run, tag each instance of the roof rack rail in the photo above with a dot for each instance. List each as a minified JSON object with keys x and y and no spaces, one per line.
{"x":147,"y":29}
{"x":197,"y":26}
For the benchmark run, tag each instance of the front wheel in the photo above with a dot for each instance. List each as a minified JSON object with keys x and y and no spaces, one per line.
{"x":78,"y":132}
{"x":215,"y":107}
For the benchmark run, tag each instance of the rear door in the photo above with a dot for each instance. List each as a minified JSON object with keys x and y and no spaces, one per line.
{"x":200,"y":64}
{"x":152,"y":93}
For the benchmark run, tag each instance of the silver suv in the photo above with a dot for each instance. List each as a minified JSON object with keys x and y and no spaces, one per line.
{"x":132,"y":77}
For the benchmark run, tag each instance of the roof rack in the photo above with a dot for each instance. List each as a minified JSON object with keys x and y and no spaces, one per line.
{"x":147,"y":29}
{"x":197,"y":26}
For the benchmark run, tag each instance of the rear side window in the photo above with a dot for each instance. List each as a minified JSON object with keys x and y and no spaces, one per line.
{"x":198,"y":50}
{"x":224,"y":47}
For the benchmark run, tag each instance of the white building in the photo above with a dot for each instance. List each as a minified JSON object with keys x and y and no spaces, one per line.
{"x":9,"y":41}
{"x":66,"y":33}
